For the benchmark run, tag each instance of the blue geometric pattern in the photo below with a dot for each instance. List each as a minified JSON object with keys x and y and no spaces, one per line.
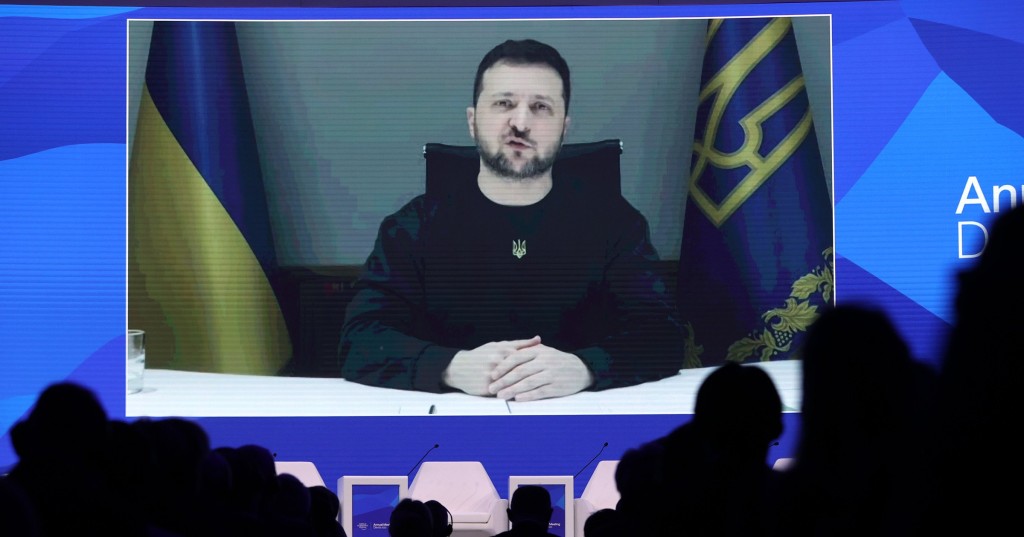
{"x":873,"y":98}
{"x":916,"y":181}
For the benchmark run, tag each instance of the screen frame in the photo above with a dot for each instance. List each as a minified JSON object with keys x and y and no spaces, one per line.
{"x":597,"y":402}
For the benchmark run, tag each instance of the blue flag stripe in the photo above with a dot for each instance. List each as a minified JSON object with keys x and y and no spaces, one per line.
{"x":196,"y":81}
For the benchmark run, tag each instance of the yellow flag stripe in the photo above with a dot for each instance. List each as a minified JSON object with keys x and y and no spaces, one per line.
{"x":194,"y":285}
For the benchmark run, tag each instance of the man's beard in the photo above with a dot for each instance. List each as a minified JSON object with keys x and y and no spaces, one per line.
{"x":502,"y":167}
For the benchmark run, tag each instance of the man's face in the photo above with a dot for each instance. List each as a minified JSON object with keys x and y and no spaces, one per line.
{"x":519,"y":120}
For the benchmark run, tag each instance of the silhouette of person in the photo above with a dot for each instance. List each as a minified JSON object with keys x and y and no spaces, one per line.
{"x":216,"y":514}
{"x":176,"y":448}
{"x":17,"y":515}
{"x":863,"y":423}
{"x":603,"y":523}
{"x":442,"y":518}
{"x":128,"y":459}
{"x":980,"y":396}
{"x":411,"y":518}
{"x":62,"y":464}
{"x":253,"y":482}
{"x":529,"y":512}
{"x":288,"y":508}
{"x":709,"y":476}
{"x":324,"y":510}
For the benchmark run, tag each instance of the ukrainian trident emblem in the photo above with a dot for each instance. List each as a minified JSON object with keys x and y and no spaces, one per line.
{"x":519,"y":248}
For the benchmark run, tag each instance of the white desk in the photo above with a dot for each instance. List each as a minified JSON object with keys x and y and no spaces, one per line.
{"x":190,"y":394}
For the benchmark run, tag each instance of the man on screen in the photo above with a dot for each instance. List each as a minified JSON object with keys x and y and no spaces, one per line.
{"x":516,"y":288}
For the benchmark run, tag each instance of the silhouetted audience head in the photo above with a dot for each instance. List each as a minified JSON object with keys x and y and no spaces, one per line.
{"x":442,"y":518}
{"x":215,"y":479}
{"x":66,"y":424}
{"x":62,"y":466}
{"x":411,"y":518}
{"x":857,"y":376}
{"x":980,"y":397}
{"x":176,"y":448}
{"x":80,"y":473}
{"x":530,"y":505}
{"x":287,"y":508}
{"x":324,"y":510}
{"x":720,"y":455}
{"x":738,"y":407}
{"x":865,"y":402}
{"x":982,"y":366}
{"x":253,"y":476}
{"x":604,"y":523}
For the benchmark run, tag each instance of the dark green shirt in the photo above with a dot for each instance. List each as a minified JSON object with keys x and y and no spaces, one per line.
{"x":453,"y":273}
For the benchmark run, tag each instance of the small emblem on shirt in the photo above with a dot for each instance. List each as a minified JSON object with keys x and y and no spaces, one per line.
{"x":519,"y":248}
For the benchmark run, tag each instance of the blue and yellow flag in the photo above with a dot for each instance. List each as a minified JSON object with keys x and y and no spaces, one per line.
{"x":200,"y":249}
{"x":756,"y":264}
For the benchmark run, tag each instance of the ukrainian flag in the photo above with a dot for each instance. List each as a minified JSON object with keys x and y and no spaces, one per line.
{"x":756,"y":263}
{"x":200,"y":249}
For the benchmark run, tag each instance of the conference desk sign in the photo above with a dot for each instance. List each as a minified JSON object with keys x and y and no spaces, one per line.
{"x":560,"y":487}
{"x":367,"y":502}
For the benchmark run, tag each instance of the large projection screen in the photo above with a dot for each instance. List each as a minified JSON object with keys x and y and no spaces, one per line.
{"x":340,"y":112}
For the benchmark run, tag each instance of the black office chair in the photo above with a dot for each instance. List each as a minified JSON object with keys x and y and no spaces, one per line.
{"x":592,"y":166}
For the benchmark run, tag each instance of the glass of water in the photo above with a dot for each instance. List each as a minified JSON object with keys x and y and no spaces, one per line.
{"x":136,"y":366}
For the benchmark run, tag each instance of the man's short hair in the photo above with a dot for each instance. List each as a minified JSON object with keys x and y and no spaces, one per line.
{"x":524,"y":52}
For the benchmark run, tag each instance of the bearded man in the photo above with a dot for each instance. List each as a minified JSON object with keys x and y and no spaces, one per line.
{"x":518,"y":287}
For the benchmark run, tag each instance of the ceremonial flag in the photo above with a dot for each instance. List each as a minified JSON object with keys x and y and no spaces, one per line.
{"x":756,"y":263}
{"x":200,"y":249}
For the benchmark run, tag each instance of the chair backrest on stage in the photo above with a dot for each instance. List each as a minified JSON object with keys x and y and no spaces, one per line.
{"x":304,"y":470}
{"x":467,"y":491}
{"x":600,"y":493}
{"x":783,"y":463}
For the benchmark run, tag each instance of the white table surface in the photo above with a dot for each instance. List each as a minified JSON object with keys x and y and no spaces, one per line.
{"x":191,"y":394}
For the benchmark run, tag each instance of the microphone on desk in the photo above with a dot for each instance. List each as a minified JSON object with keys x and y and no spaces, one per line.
{"x":421,"y":459}
{"x":591,"y":460}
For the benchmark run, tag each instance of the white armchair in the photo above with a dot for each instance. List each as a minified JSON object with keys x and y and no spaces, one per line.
{"x":783,"y":463}
{"x":305,"y":471}
{"x":468,"y":493}
{"x":600,"y":493}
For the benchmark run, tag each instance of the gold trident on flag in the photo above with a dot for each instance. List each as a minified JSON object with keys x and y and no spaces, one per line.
{"x":722,"y":86}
